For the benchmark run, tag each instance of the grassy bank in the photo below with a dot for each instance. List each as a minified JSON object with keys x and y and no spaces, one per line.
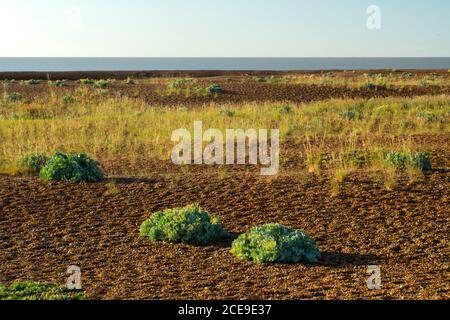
{"x":124,"y":128}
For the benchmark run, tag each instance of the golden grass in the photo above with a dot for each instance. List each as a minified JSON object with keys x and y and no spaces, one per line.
{"x":125,"y":128}
{"x":391,"y":80}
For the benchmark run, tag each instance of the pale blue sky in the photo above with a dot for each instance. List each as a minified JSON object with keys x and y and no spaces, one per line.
{"x":222,"y":28}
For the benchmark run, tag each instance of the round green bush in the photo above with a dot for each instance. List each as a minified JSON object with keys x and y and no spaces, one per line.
{"x":275,"y":243}
{"x":71,"y":168}
{"x":189,"y":225}
{"x":402,"y":160}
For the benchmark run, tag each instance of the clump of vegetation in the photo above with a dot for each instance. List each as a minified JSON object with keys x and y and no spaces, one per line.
{"x":102,"y":84}
{"x":284,"y":109}
{"x":13,"y":97}
{"x":67,"y":99}
{"x":183,"y":225}
{"x":276,"y":243}
{"x":8,"y":81}
{"x":427,"y":116}
{"x":275,"y":79}
{"x":227,"y":112}
{"x":180,"y":84}
{"x":33,"y":163}
{"x":405,"y":159}
{"x":71,"y":168}
{"x":214,"y":88}
{"x":369,"y":86}
{"x":104,"y":92}
{"x":129,"y":81}
{"x":86,"y":81}
{"x":355,"y":158}
{"x":349,"y":115}
{"x":31,"y":82}
{"x":58,"y":83}
{"x":29,"y":290}
{"x":35,"y":113}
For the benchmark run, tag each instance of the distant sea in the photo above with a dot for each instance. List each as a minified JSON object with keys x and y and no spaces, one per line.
{"x":258,"y":64}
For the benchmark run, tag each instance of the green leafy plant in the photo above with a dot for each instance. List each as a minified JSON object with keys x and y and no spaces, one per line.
{"x":284,"y":109}
{"x":180,"y":84}
{"x":183,"y":225}
{"x":427,"y":116}
{"x":67,"y":99}
{"x":215,"y":88}
{"x":102,"y":84}
{"x":129,"y":81}
{"x":369,"y":86}
{"x":104,"y":92}
{"x":59,"y":83}
{"x":227,"y":112}
{"x":8,"y":81}
{"x":31,"y":82}
{"x":33,"y":163}
{"x":349,"y":115}
{"x":86,"y":81}
{"x":272,"y":243}
{"x":36,"y":113}
{"x":71,"y":168}
{"x":355,"y":157}
{"x":29,"y":290}
{"x":13,"y":97}
{"x":401,"y":160}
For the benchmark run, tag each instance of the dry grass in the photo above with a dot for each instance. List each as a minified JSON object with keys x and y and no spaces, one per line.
{"x":125,"y":128}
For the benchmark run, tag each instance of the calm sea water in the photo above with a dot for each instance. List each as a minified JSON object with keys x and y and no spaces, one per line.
{"x":137,"y":64}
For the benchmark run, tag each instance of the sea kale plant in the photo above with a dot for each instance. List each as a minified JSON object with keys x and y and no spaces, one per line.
{"x":33,"y":163}
{"x":275,"y":243}
{"x":190,"y":225}
{"x":29,"y":290}
{"x":402,"y":160}
{"x":71,"y":168}
{"x":13,"y":97}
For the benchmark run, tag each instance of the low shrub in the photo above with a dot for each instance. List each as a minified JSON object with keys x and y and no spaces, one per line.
{"x":369,"y":86}
{"x":71,"y":168}
{"x":183,"y":225}
{"x":8,"y":81}
{"x":31,"y":82}
{"x":59,"y":83}
{"x":355,"y":157}
{"x":30,"y":290}
{"x":180,"y":84}
{"x":86,"y":81}
{"x":284,"y":109}
{"x":102,"y":84}
{"x":215,"y":88}
{"x":427,"y":116}
{"x":67,"y":99}
{"x":275,"y":243}
{"x":402,"y":160}
{"x":227,"y":112}
{"x":33,"y":163}
{"x":129,"y":81}
{"x":36,"y":113}
{"x":13,"y":97}
{"x":349,"y":115}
